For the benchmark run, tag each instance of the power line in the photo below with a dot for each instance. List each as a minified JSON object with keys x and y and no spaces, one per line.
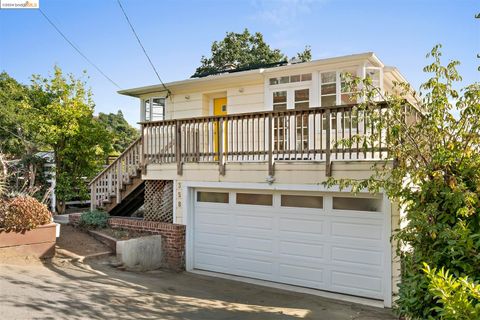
{"x":77,"y":49}
{"x":141,"y":45}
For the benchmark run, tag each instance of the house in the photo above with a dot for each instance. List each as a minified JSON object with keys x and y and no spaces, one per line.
{"x":239,"y":159}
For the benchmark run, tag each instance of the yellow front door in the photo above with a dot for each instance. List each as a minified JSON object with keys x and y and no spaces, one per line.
{"x":219,"y":109}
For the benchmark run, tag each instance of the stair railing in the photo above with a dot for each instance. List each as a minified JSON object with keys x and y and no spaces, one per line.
{"x":110,"y":181}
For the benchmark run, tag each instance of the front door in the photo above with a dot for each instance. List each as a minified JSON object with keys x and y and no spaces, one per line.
{"x":219,"y":109}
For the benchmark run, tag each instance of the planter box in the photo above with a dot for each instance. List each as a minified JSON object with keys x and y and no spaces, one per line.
{"x":39,"y":242}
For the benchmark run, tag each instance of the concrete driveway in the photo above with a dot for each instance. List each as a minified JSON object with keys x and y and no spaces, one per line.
{"x":62,"y":289}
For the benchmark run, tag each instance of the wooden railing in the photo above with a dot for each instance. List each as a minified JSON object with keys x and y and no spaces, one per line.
{"x":314,"y":134}
{"x":112,"y":179}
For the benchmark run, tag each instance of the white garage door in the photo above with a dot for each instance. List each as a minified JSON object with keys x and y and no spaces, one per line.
{"x":332,"y":243}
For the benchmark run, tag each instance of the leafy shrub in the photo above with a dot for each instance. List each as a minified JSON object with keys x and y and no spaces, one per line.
{"x":458,"y":298}
{"x":94,"y":219}
{"x":22,"y":213}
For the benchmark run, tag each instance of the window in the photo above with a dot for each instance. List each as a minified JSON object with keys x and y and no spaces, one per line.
{"x":290,"y":79}
{"x":328,"y":89}
{"x":279,"y":100}
{"x":375,"y":76}
{"x":217,"y":197}
{"x":357,"y":204}
{"x":255,"y":199}
{"x":302,"y":99}
{"x":154,"y":109}
{"x":302,"y":201}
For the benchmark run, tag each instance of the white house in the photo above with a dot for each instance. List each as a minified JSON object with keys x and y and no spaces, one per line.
{"x":240,"y":157}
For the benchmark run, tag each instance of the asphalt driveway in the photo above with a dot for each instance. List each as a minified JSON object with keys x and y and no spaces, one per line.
{"x":64,"y":289}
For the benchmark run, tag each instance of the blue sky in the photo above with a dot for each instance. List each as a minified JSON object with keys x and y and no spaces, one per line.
{"x":177,"y":33}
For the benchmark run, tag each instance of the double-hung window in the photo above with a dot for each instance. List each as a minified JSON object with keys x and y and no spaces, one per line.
{"x":153,"y":109}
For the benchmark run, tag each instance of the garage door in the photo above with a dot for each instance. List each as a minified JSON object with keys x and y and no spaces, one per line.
{"x":333,"y":243}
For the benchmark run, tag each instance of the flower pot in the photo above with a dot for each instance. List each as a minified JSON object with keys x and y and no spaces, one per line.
{"x":39,"y":242}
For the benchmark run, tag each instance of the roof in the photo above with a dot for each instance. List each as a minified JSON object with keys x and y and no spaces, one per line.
{"x":248,"y":75}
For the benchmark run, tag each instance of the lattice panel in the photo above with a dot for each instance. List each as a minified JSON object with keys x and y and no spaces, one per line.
{"x":158,"y":200}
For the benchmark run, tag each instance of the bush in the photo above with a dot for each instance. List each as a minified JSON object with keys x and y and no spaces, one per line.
{"x":94,"y":219}
{"x":458,"y":298}
{"x":22,"y":213}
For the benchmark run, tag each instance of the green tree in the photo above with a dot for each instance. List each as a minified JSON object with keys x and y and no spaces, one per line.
{"x":121,"y":132}
{"x":63,"y":111}
{"x":433,"y":173}
{"x":16,"y":134}
{"x":242,"y":50}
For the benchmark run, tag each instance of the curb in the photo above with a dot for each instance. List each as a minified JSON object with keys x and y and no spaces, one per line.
{"x":80,"y":258}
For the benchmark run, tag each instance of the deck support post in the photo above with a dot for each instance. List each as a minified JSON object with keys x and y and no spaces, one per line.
{"x":328,"y":161}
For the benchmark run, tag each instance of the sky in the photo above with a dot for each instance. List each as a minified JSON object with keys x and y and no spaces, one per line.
{"x":177,"y":33}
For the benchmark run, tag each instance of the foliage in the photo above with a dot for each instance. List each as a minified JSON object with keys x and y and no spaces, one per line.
{"x":122,"y":134}
{"x":242,"y":50}
{"x":22,"y":213}
{"x":433,"y":173}
{"x":458,"y":298}
{"x":63,"y":109}
{"x":94,"y":219}
{"x":16,"y":134}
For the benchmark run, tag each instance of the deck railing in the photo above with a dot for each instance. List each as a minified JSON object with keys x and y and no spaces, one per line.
{"x":314,"y":134}
{"x":111,"y":180}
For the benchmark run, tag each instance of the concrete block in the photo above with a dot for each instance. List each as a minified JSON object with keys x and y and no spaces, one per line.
{"x":144,"y":253}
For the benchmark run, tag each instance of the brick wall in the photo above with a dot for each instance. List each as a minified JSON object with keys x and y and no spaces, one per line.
{"x":173,"y":236}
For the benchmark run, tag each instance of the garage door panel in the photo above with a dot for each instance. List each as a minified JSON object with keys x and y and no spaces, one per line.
{"x":216,"y":239}
{"x":301,"y":227}
{"x":255,"y":222}
{"x":212,"y":259}
{"x":212,"y":217}
{"x":356,"y":231}
{"x":357,"y":284}
{"x":302,"y":275}
{"x":301,"y":250}
{"x":357,"y":256}
{"x":254,"y":244}
{"x":263,"y":268}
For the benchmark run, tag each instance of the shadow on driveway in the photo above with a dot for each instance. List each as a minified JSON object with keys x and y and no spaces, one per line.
{"x":62,"y":289}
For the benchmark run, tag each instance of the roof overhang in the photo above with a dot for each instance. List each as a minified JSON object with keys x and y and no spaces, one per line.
{"x":243,"y":77}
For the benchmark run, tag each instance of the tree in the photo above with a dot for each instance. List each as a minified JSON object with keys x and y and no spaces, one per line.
{"x":63,"y":112}
{"x":122,"y":134}
{"x":242,"y":50}
{"x":16,"y":134}
{"x":433,"y":173}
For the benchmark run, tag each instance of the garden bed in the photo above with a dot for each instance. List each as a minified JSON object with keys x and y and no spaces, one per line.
{"x":110,"y":237}
{"x":39,"y":242}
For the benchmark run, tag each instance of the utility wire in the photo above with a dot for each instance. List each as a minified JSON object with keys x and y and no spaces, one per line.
{"x":77,"y":49}
{"x":141,"y":45}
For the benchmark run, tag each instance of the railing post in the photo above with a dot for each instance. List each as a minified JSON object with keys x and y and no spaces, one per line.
{"x":328,"y":161}
{"x":178,"y":147}
{"x":109,"y":185}
{"x":220,"y":138}
{"x":119,"y":180}
{"x":270,"y":145}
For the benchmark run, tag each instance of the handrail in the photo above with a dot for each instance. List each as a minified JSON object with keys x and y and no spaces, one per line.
{"x":137,"y":141}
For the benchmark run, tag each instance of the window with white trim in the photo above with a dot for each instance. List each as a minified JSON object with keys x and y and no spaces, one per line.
{"x":154,"y":109}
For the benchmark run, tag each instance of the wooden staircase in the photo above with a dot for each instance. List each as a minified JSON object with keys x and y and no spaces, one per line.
{"x":119,"y":188}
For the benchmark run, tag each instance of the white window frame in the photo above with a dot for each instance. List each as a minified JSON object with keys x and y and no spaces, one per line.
{"x":143,"y":113}
{"x":290,"y":88}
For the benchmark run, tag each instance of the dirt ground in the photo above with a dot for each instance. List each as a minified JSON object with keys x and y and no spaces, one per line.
{"x":63,"y":288}
{"x":78,"y":242}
